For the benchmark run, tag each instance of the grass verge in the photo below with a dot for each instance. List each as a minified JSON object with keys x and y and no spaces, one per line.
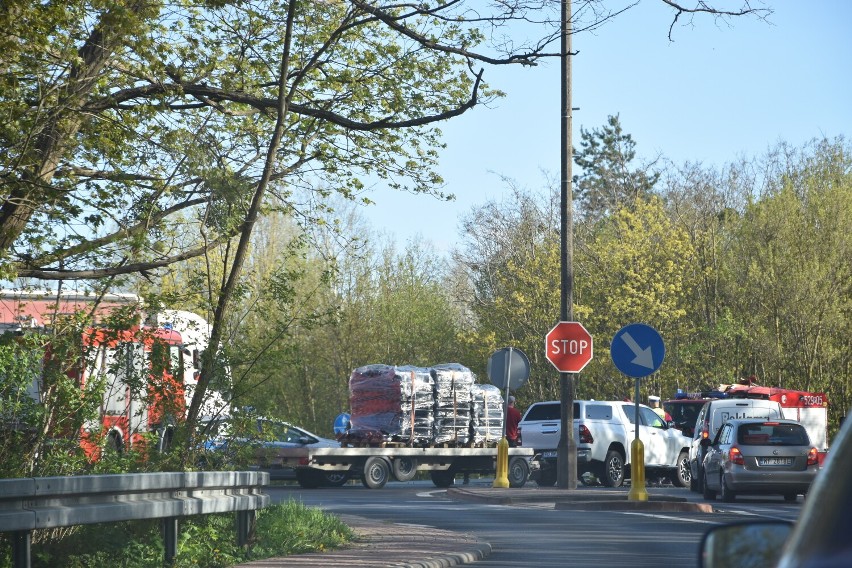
{"x":207,"y":541}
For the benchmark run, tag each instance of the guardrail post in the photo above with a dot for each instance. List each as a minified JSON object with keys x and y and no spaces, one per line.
{"x":170,"y":539}
{"x":21,"y":549}
{"x":245,"y":526}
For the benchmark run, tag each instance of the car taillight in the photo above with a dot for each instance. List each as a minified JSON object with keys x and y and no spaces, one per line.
{"x":705,"y":430}
{"x":813,"y":456}
{"x":520,"y":438}
{"x":585,"y":436}
{"x":736,"y":456}
{"x":304,"y":461}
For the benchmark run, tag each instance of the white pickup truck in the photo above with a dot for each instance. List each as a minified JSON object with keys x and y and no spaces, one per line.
{"x":603,"y":431}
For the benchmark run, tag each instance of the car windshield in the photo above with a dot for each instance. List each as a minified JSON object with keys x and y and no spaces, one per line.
{"x":768,"y":434}
{"x":279,"y":431}
{"x":682,"y":413}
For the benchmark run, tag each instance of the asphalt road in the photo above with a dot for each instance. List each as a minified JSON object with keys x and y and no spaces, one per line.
{"x":537,"y":534}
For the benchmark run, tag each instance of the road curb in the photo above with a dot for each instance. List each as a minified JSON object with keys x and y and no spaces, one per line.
{"x":579,"y":499}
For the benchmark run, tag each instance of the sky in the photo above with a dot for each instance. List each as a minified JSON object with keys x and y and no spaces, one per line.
{"x":717,"y":93}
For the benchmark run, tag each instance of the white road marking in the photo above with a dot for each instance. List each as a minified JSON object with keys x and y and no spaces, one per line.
{"x":674,"y":518}
{"x":430,"y":493}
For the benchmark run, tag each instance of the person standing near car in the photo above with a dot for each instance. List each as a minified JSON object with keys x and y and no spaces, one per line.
{"x":513,"y":418}
{"x":654,"y":403}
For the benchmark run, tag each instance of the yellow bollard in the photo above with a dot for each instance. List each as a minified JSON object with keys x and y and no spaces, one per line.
{"x":502,"y":477}
{"x":637,"y":472}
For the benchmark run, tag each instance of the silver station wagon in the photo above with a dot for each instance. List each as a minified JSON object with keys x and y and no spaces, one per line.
{"x":759,"y":457}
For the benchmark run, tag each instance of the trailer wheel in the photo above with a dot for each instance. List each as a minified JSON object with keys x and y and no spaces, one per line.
{"x":519,"y":471}
{"x":405,"y":468}
{"x":443,"y":477}
{"x":376,"y":473}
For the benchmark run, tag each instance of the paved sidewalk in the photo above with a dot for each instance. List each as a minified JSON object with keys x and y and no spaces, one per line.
{"x":380,"y":544}
{"x":390,"y":545}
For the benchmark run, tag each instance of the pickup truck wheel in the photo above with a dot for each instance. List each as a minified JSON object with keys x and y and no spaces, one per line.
{"x":682,"y":476}
{"x":376,"y":473}
{"x":405,"y":468}
{"x":613,"y":469}
{"x":443,"y":477}
{"x":519,"y":471}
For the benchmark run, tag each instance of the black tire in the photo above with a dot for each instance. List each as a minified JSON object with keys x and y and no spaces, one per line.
{"x":547,"y":477}
{"x":698,"y":479}
{"x":404,"y":468}
{"x":376,"y":473}
{"x":307,"y":478}
{"x":682,"y":476}
{"x":613,"y":469}
{"x":443,"y":477}
{"x":725,"y":492}
{"x":791,"y":497}
{"x":519,"y":471}
{"x":708,"y":493}
{"x":335,"y":478}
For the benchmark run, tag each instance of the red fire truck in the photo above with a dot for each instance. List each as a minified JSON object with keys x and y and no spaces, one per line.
{"x":809,"y":408}
{"x":141,"y":370}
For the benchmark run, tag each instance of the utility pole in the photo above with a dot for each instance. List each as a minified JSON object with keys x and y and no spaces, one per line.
{"x":566,"y":452}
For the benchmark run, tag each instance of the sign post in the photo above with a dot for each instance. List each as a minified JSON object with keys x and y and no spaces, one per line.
{"x":568,"y":347}
{"x":508,"y":368}
{"x":637,"y":350}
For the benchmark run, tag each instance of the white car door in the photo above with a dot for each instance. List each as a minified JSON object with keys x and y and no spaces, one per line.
{"x":654,"y":435}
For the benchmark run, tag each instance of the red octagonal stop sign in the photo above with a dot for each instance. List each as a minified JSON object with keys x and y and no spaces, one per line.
{"x":568,"y":346}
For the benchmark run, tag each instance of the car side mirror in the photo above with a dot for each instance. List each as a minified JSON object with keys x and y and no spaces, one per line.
{"x":723,"y":546}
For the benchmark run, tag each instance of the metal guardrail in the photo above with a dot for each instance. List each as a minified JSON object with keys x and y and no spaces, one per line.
{"x":33,"y":503}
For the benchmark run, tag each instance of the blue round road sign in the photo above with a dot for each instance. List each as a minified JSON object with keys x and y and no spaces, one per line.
{"x":637,"y":350}
{"x":341,"y":424}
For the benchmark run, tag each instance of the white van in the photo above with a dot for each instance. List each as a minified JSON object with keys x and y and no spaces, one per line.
{"x":712,"y":415}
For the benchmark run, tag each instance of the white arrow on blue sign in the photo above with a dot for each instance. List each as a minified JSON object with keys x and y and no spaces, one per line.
{"x":637,"y":350}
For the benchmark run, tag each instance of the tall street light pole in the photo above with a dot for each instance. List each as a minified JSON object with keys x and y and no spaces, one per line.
{"x":566,"y":453}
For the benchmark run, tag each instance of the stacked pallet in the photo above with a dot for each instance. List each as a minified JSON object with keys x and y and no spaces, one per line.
{"x":417,"y":405}
{"x":374,"y":405}
{"x":421,"y":406}
{"x":486,"y":414}
{"x":453,"y":384}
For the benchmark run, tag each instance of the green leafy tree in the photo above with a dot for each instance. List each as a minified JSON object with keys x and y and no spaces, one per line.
{"x":788,"y":278}
{"x":510,"y":259}
{"x":638,"y":267}
{"x":608,"y":182}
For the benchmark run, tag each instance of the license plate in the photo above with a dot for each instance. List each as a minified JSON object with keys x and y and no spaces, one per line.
{"x":775,"y":461}
{"x":548,"y":454}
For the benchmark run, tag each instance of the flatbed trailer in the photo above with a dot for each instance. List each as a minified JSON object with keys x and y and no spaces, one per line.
{"x":375,"y":466}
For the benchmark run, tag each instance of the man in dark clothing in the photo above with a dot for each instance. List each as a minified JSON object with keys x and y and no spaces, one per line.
{"x":513,"y":417}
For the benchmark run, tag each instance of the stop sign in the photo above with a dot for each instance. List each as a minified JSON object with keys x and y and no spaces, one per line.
{"x":568,"y":346}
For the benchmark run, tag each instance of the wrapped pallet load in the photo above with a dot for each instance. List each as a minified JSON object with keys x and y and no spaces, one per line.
{"x":374,"y":404}
{"x":487,"y":414}
{"x":453,"y":383}
{"x":417,"y":403}
{"x":391,"y":404}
